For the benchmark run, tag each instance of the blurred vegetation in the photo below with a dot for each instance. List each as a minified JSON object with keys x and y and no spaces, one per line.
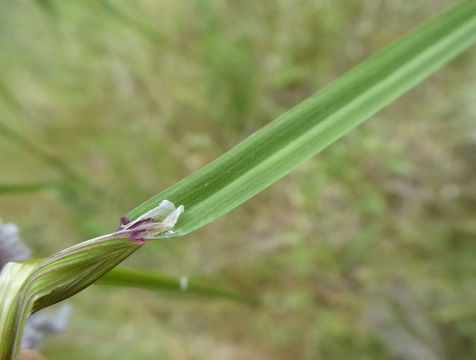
{"x":367,"y":251}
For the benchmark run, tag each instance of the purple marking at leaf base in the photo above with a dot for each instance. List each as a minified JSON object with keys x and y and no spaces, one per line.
{"x":136,"y":230}
{"x":141,"y":222}
{"x":138,"y":236}
{"x":124,"y":222}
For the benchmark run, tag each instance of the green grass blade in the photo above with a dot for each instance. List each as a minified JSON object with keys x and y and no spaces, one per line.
{"x":52,"y":160}
{"x":122,"y":276}
{"x":26,"y":287}
{"x":141,"y":27}
{"x":300,"y":133}
{"x":30,"y":286}
{"x":12,"y":277}
{"x":70,"y":175}
{"x":248,"y":168}
{"x":26,"y":188}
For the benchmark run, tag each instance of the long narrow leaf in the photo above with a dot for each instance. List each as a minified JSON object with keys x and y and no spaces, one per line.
{"x":52,"y":160}
{"x":300,"y":133}
{"x":122,"y":276}
{"x":25,"y":188}
{"x":245,"y":170}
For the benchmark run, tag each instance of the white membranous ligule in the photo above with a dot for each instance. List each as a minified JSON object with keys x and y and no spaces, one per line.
{"x":158,"y":220}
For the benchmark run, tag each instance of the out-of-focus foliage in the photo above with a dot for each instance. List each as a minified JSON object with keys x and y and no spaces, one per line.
{"x":367,"y":251}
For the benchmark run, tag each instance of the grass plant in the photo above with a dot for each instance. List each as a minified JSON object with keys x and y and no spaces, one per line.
{"x":244,"y":171}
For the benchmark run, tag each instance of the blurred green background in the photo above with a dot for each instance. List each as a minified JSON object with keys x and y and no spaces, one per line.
{"x":368,"y":251}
